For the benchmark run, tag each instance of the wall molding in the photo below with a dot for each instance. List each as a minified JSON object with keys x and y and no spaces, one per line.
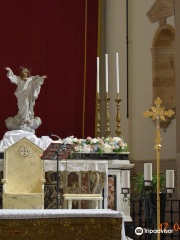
{"x":161,"y":9}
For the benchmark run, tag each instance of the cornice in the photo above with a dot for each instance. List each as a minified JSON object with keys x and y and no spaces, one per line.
{"x":161,"y":9}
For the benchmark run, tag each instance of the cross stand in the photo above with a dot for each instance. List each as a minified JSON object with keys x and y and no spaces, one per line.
{"x":57,"y":151}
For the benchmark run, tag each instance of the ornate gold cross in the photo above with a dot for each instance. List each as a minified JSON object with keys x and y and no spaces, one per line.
{"x":158,"y":113}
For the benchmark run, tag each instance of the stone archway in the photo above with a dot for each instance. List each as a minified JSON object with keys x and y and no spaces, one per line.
{"x":163,"y":66}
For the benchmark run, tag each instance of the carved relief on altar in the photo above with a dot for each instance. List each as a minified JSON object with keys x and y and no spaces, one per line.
{"x":73,"y":180}
{"x":93,"y":181}
{"x":163,"y":68}
{"x":96,"y":183}
{"x":112,"y":192}
{"x":100,"y":186}
{"x":84,"y":189}
{"x":50,"y":190}
{"x":161,"y":9}
{"x":73,"y":183}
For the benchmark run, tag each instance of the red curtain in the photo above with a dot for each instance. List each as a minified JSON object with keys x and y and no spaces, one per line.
{"x":49,"y":36}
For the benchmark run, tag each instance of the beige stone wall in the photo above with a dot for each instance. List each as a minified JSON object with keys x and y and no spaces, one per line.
{"x":137,"y":131}
{"x":113,"y":39}
{"x":163,"y":66}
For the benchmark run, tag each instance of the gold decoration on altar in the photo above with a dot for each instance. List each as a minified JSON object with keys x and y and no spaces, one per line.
{"x":118,"y":117}
{"x":158,"y":114}
{"x":61,"y":229}
{"x":98,"y":101}
{"x":107,"y":131}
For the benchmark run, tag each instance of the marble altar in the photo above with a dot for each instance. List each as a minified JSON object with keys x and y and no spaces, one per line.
{"x":81,"y":181}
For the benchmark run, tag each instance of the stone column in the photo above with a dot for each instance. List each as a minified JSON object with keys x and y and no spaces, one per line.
{"x":177,"y":64}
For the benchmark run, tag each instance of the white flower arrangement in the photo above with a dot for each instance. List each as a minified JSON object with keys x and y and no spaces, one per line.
{"x":97,"y":145}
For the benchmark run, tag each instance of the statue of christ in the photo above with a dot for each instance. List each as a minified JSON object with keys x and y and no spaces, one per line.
{"x":28,"y":89}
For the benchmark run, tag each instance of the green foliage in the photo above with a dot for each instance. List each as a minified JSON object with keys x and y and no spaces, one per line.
{"x":118,"y":150}
{"x":138,"y":180}
{"x":100,"y":151}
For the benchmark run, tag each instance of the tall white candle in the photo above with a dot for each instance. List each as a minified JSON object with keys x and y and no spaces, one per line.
{"x":169,"y":180}
{"x":148,"y":173}
{"x":117,"y":72}
{"x":106,"y":69}
{"x":97,"y":75}
{"x":125,"y":180}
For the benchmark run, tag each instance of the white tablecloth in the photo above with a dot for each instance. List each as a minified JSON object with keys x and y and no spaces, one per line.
{"x":12,"y":137}
{"x":72,"y":165}
{"x":77,"y":165}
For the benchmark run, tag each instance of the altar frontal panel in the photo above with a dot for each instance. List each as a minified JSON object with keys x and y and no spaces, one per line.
{"x":61,"y":228}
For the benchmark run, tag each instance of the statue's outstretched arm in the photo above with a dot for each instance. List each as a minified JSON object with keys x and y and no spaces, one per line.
{"x":7,"y":68}
{"x":45,"y":76}
{"x":11,"y":75}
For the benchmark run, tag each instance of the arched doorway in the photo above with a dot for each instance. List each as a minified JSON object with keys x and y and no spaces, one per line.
{"x":163,"y":67}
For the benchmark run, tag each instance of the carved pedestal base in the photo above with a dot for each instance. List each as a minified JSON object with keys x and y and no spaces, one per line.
{"x":14,"y":123}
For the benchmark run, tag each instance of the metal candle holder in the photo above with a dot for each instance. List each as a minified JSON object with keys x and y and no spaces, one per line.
{"x":98,"y":100}
{"x":118,"y":117}
{"x":147,"y":181}
{"x":125,"y":191}
{"x":107,"y":131}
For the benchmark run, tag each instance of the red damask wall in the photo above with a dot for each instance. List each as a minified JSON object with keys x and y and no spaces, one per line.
{"x":49,"y":36}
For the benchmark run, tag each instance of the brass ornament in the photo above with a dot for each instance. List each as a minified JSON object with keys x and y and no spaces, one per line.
{"x":118,"y":117}
{"x":98,"y":101}
{"x":158,"y":114}
{"x":107,"y":131}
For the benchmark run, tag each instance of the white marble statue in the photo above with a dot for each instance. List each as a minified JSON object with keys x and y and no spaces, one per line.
{"x":28,"y":89}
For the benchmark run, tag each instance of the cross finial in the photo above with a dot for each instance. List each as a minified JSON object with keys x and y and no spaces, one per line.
{"x":158,"y":113}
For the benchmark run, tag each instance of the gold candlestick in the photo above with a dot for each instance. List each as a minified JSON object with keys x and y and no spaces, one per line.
{"x":98,"y":100}
{"x":158,"y":113}
{"x":118,"y":117}
{"x":107,"y":131}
